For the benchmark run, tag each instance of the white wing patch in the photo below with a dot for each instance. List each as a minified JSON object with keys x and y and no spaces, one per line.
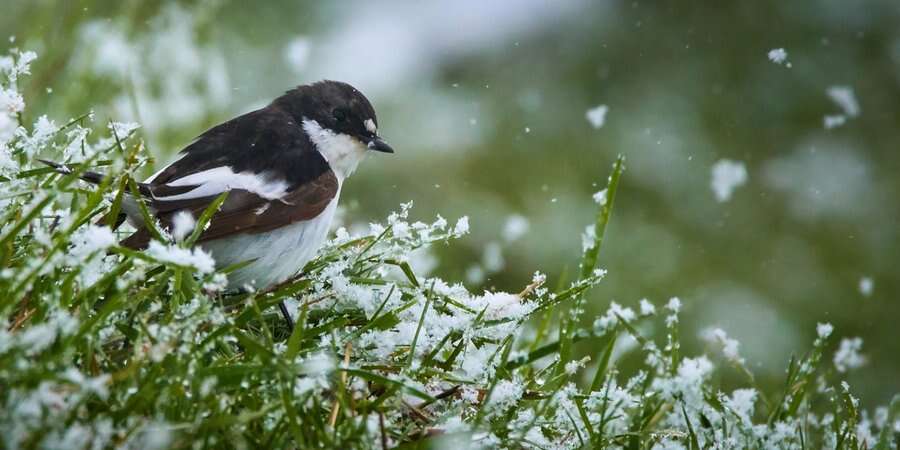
{"x":220,"y":179}
{"x":152,"y":177}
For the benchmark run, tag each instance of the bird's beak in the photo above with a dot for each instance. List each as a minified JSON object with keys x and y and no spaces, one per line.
{"x":379,"y":145}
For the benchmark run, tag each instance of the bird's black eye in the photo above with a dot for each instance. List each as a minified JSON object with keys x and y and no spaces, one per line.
{"x":339,"y":114}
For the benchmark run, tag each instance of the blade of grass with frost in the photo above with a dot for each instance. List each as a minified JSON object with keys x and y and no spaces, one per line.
{"x":203,"y":220}
{"x":149,"y":220}
{"x":600,"y":374}
{"x":695,"y":444}
{"x":371,"y":376}
{"x":22,"y":221}
{"x":588,"y":263}
{"x":130,"y":162}
{"x":589,"y":260}
{"x":886,"y":437}
{"x":60,"y":240}
{"x":412,"y":346}
{"x":407,"y":270}
{"x":296,"y":337}
{"x":503,"y":350}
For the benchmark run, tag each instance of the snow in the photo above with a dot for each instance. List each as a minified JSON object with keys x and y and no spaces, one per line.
{"x":779,"y":56}
{"x":596,"y":116}
{"x":11,"y":101}
{"x":588,"y":237}
{"x":182,"y":225}
{"x":43,"y":131}
{"x":492,"y":258}
{"x":573,"y":366}
{"x":823,"y":330}
{"x":296,"y":53}
{"x":674,"y":305}
{"x":515,"y":227}
{"x":727,"y":175}
{"x":647,"y":308}
{"x":502,"y":305}
{"x":866,"y":286}
{"x":845,"y":98}
{"x":848,"y":355}
{"x":475,"y":274}
{"x":462,"y":226}
{"x":742,"y":402}
{"x":195,"y":257}
{"x":834,"y":121}
{"x":36,"y":338}
{"x":174,"y":75}
{"x":91,"y":239}
{"x":600,"y":197}
{"x":505,"y":394}
{"x":122,"y":130}
{"x":605,"y":322}
{"x":729,"y":346}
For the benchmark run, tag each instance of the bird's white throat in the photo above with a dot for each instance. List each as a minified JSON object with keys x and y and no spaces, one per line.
{"x":343,"y":152}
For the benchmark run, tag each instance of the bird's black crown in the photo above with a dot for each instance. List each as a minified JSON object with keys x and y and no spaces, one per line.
{"x":334,"y":105}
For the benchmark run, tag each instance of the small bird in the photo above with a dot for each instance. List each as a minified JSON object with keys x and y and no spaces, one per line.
{"x":283,"y":166}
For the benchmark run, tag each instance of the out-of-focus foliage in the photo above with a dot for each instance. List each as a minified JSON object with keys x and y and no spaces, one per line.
{"x":486,"y":103}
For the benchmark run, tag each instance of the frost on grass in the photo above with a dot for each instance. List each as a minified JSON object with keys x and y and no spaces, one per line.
{"x":730,"y":347}
{"x":727,"y":175}
{"x":848,"y":354}
{"x":105,"y":347}
{"x":182,"y":225}
{"x":596,"y":116}
{"x":195,"y":257}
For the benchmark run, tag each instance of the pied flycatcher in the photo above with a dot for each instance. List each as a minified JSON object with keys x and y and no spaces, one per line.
{"x":283,"y":166}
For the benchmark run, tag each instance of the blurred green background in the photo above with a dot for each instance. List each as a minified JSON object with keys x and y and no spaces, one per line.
{"x":485,"y":103}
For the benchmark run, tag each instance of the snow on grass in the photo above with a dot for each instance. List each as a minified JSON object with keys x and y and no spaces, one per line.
{"x":823,"y":330}
{"x":596,"y":116}
{"x":848,"y":355}
{"x":600,"y":197}
{"x":730,"y":347}
{"x":186,"y":257}
{"x":121,"y":130}
{"x":183,"y":223}
{"x":727,"y":175}
{"x":151,"y":353}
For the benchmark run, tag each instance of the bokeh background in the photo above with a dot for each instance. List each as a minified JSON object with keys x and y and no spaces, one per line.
{"x":486,"y":101}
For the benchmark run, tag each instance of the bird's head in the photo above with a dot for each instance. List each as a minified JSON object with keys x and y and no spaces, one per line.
{"x":335,"y":108}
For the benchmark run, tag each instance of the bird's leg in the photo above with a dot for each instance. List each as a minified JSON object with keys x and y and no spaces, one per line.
{"x":281,"y":305}
{"x":287,"y":316}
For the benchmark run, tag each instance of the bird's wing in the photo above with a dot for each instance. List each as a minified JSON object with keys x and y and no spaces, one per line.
{"x":267,"y":141}
{"x":271,"y":170}
{"x":247,"y":212}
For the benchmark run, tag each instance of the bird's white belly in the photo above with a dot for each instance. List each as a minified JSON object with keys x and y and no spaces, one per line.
{"x":278,"y":254}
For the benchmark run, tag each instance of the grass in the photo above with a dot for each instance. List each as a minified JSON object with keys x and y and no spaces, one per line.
{"x":107,"y":347}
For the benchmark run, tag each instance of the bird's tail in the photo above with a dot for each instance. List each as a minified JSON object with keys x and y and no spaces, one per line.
{"x":90,"y":177}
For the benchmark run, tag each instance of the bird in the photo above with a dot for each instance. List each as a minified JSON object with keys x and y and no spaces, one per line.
{"x":283,"y":167}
